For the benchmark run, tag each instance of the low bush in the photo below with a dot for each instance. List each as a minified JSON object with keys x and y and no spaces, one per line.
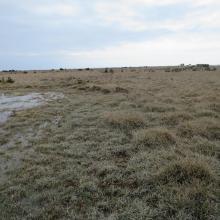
{"x":111,"y":71}
{"x":8,"y":80}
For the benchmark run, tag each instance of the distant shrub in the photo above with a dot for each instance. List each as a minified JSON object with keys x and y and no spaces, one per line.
{"x":194,"y":69}
{"x":8,"y":80}
{"x":2,"y":80}
{"x":167,"y":70}
{"x":111,"y":71}
{"x":203,"y":66}
{"x":213,"y":69}
{"x":176,"y":70}
{"x":207,"y":69}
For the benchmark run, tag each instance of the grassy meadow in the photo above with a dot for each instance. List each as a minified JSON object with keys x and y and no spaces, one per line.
{"x":123,"y":144}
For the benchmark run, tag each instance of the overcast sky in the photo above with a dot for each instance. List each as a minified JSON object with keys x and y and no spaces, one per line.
{"x":42,"y":34}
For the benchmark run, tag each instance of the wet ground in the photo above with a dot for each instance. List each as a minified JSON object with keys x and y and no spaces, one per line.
{"x":10,"y":104}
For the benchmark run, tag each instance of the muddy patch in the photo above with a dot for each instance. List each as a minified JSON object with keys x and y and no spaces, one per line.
{"x":15,"y":149}
{"x":4,"y":116}
{"x":10,"y":104}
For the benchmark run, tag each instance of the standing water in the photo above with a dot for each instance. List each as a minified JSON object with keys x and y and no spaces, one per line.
{"x":9,"y":104}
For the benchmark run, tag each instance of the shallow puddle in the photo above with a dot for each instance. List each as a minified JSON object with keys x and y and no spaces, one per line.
{"x":9,"y":104}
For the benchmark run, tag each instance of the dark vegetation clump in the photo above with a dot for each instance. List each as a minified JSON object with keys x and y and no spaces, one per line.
{"x":176,"y":70}
{"x":111,"y":71}
{"x":167,"y":70}
{"x":8,"y":80}
{"x":8,"y":71}
{"x":108,"y":70}
{"x":213,"y":69}
{"x":2,"y":80}
{"x":185,"y":172}
{"x":195,"y":68}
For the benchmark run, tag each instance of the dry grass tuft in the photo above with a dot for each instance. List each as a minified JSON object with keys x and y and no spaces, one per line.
{"x":154,"y":137}
{"x":98,"y":88}
{"x":186,"y":171}
{"x":206,"y":147}
{"x":124,"y":119}
{"x":175,"y":118}
{"x":105,"y":89}
{"x":159,"y":107}
{"x":209,"y":129}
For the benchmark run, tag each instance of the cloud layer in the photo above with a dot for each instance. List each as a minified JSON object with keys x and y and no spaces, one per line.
{"x":73,"y":33}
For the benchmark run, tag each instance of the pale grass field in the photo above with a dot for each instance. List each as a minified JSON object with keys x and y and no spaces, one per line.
{"x":125,"y":145}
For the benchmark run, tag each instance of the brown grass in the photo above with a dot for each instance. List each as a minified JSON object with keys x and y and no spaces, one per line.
{"x":124,"y":119}
{"x":137,"y":144}
{"x":153,"y":137}
{"x":209,"y":129}
{"x":186,"y":171}
{"x":176,"y":118}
